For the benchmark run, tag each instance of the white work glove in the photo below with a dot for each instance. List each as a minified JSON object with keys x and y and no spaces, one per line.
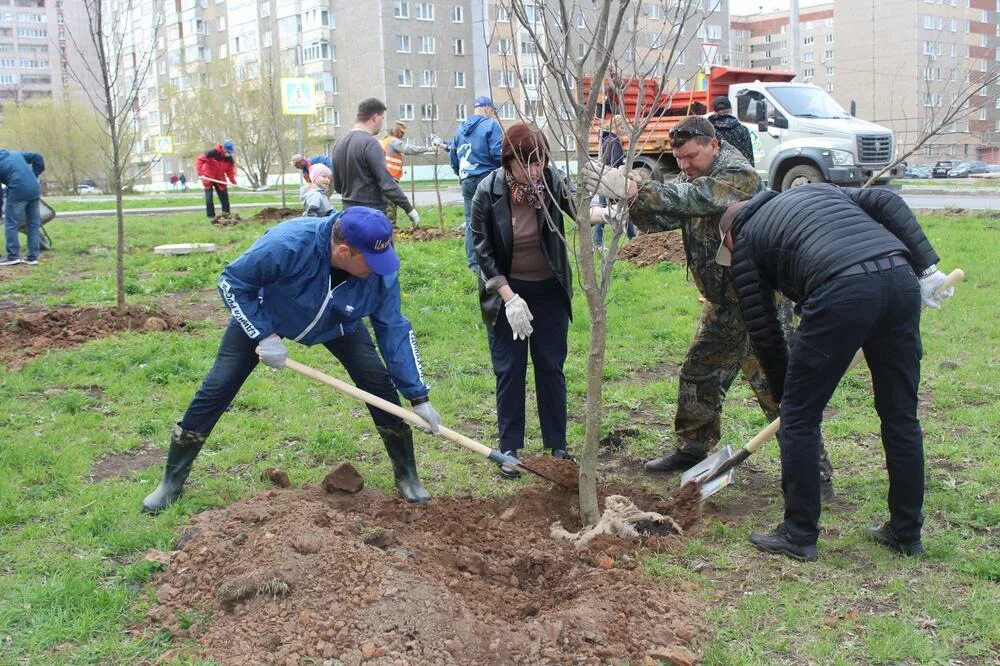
{"x":604,"y":181}
{"x":930,"y":281}
{"x":614,"y":212}
{"x":437,"y":142}
{"x":426,"y":411}
{"x":414,"y":218}
{"x":519,"y":317}
{"x":272,"y":352}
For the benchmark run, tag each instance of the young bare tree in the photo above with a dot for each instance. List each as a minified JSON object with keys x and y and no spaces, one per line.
{"x":579,"y":57}
{"x":123,"y":33}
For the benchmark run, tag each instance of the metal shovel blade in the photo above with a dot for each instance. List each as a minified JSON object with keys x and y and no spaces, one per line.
{"x":703,"y":472}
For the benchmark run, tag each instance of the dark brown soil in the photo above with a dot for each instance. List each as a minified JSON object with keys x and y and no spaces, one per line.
{"x":301,"y":576}
{"x":227,"y":219}
{"x":344,"y":478}
{"x":275,"y":214}
{"x":652,"y":249}
{"x":278,"y":477}
{"x":563,"y":472}
{"x":31,"y":331}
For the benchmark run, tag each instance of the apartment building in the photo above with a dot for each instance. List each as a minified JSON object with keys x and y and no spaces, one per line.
{"x":37,"y":56}
{"x":904,"y":63}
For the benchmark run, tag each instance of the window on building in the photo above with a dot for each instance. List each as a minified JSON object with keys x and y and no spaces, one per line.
{"x":808,"y":72}
{"x":401,"y":9}
{"x":829,"y":39}
{"x":424,"y":11}
{"x":428,"y":112}
{"x":506,"y":112}
{"x":807,"y":57}
{"x":529,"y":77}
{"x":714,"y":31}
{"x":503,"y":14}
{"x":404,"y":79}
{"x":527,"y":46}
{"x":458,"y":48}
{"x":505,"y":78}
{"x":828,"y":54}
{"x":654,"y":11}
{"x":427,"y":45}
{"x":457,"y":16}
{"x":807,"y":40}
{"x":829,"y":87}
{"x":402,"y":43}
{"x":320,"y":50}
{"x":829,"y":71}
{"x":504,"y":46}
{"x":406,"y":112}
{"x":580,"y":22}
{"x":532,"y":108}
{"x":459,"y":81}
{"x":265,"y":40}
{"x":461,"y":112}
{"x":429,"y":78}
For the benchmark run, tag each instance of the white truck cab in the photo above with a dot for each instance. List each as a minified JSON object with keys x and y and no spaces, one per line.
{"x":802,"y":135}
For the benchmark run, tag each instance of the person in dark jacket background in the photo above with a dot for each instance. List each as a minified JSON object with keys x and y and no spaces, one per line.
{"x":474,"y":154}
{"x":313,"y":280}
{"x":19,"y":172}
{"x":215,"y":167}
{"x":729,"y":128}
{"x":518,"y":229}
{"x":850,"y":259}
{"x":302,"y":164}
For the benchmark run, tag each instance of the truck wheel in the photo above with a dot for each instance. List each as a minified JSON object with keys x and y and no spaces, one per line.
{"x":802,"y":174}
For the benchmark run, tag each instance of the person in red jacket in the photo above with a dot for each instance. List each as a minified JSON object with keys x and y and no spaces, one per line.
{"x":215,"y":167}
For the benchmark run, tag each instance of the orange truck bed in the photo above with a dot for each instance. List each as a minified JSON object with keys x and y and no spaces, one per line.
{"x":639,"y":97}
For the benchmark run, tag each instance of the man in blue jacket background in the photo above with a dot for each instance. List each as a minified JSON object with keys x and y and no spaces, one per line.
{"x":313,"y":280}
{"x":474,"y":154}
{"x":20,"y":172}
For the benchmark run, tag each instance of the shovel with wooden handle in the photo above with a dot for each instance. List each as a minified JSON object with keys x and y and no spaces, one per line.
{"x":716,"y":471}
{"x":262,"y":188}
{"x":411,"y":417}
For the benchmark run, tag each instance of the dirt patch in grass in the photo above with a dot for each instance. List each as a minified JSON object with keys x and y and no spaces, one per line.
{"x":31,"y":331}
{"x":203,"y":305}
{"x":123,"y":465}
{"x":297,"y":575}
{"x":652,"y":249}
{"x":427,"y":234}
{"x":275,"y":214}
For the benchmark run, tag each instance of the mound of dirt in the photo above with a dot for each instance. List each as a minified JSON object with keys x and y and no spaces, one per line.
{"x":652,"y":249}
{"x":30,"y":331}
{"x":227,"y":219}
{"x":299,"y":575}
{"x":275,"y":214}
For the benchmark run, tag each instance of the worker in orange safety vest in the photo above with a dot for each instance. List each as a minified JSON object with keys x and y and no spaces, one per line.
{"x":395,"y":147}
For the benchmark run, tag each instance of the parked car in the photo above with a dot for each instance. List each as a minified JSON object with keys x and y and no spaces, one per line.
{"x":917,"y":171}
{"x":942,"y":168}
{"x":88,"y":187}
{"x":966,"y":169}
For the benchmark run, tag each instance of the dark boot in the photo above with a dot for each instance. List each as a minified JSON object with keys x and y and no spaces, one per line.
{"x":884,"y":536}
{"x":184,"y":448}
{"x":778,"y":542}
{"x":678,"y":461}
{"x":399,"y":445}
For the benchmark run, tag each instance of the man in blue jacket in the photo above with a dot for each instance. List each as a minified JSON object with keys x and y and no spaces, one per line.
{"x":475,"y":153}
{"x":19,"y":172}
{"x":312,"y":280}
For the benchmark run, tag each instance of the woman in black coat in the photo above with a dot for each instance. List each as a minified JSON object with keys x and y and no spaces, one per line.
{"x":519,"y":238}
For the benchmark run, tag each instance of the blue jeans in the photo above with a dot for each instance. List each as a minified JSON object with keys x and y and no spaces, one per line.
{"x":237,"y":359}
{"x":547,"y":345}
{"x":878,"y":312}
{"x":630,"y":231}
{"x":14,"y":210}
{"x":469,"y":186}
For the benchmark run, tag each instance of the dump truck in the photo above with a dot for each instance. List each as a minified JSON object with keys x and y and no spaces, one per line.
{"x":799,"y":133}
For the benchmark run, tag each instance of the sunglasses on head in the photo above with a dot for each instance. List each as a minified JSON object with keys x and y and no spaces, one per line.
{"x":685,"y":133}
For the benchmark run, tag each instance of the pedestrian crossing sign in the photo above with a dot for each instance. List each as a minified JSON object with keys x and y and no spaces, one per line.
{"x":298,"y":97}
{"x":164,"y":145}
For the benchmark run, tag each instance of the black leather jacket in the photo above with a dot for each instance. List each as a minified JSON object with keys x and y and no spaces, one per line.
{"x":493,"y":236}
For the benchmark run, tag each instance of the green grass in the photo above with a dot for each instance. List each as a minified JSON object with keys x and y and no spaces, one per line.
{"x":71,"y":569}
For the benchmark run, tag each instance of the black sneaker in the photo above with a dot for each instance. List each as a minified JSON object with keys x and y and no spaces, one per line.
{"x":884,"y":536}
{"x":777,"y":542}
{"x":10,"y":262}
{"x":562,"y":454}
{"x":678,"y":461}
{"x":508,"y":471}
{"x":30,"y":262}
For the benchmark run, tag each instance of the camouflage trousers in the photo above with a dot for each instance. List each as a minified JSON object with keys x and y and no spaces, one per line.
{"x":721,"y":348}
{"x":390,"y":212}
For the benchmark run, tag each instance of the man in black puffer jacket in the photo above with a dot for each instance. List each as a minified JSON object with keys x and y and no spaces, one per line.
{"x":850,"y":259}
{"x":730,"y":129}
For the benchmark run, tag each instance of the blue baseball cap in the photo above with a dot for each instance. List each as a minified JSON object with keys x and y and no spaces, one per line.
{"x":483,"y":100}
{"x":370,"y":231}
{"x":229,"y":146}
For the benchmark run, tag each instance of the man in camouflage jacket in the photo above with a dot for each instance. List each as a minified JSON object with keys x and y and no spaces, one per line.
{"x":714,"y":176}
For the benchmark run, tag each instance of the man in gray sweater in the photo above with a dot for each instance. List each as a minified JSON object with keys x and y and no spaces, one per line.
{"x":359,"y":172}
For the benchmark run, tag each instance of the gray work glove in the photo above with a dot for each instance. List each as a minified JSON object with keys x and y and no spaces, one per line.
{"x":272,"y":352}
{"x":930,"y":281}
{"x":426,"y":411}
{"x":414,"y":218}
{"x":519,"y":317}
{"x":605,"y":181}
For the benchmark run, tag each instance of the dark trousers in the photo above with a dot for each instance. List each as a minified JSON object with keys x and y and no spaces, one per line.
{"x":547,"y":346}
{"x":236,"y":360}
{"x":210,"y":201}
{"x":469,"y":186}
{"x":878,"y":312}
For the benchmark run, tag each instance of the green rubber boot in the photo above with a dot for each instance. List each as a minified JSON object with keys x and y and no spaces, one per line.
{"x":184,"y":448}
{"x":399,"y":445}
